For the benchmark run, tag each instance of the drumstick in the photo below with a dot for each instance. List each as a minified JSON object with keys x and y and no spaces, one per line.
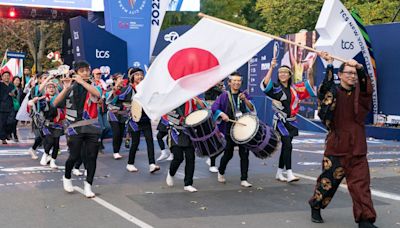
{"x":236,"y":122}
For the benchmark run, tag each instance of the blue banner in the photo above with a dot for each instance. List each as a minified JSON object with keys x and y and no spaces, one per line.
{"x":16,"y":55}
{"x":70,"y":4}
{"x":130,"y":21}
{"x":97,"y":46}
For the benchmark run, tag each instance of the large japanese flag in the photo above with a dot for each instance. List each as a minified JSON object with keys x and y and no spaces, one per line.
{"x":14,"y":66}
{"x":196,"y":61}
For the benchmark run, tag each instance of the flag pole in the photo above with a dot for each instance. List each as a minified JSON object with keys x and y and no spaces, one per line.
{"x":4,"y":58}
{"x":265,"y":34}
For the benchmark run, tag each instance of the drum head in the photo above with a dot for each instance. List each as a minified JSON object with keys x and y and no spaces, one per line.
{"x":242,"y":134}
{"x":197,"y":117}
{"x":136,"y":111}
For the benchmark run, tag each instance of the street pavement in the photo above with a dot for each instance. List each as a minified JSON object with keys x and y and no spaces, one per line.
{"x":32,"y":195}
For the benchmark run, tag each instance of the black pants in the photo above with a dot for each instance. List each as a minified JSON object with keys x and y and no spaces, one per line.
{"x":285,"y":159}
{"x":4,"y":127}
{"x":118,"y":130}
{"x":213,"y":158}
{"x":148,"y":135}
{"x":179,"y":152}
{"x":51,"y":142}
{"x":228,"y":154}
{"x":81,"y":159}
{"x":160,"y":136}
{"x":75,"y":144}
{"x":38,"y":141}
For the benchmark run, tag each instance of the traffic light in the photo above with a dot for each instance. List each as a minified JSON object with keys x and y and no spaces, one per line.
{"x":12,"y":13}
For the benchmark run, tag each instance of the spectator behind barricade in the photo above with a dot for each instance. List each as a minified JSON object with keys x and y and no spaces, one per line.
{"x":26,"y":77}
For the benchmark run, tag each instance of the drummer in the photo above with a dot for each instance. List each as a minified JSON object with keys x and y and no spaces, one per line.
{"x":180,"y":144}
{"x":231,"y":105}
{"x":135,"y":127}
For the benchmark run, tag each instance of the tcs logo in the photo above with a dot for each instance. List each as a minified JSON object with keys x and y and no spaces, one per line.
{"x":100,"y":54}
{"x":347,"y":45}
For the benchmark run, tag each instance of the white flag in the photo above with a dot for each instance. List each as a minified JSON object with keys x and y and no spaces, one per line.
{"x":343,"y":36}
{"x":196,"y":61}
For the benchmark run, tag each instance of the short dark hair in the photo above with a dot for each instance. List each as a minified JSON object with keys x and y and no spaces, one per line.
{"x":81,"y":64}
{"x":26,"y":67}
{"x":341,"y":68}
{"x":133,"y":70}
{"x":235,"y":74}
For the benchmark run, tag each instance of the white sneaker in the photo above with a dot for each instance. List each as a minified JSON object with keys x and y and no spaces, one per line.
{"x":245,"y":184}
{"x":170,"y":180}
{"x":213,"y":169}
{"x":85,"y":173}
{"x":221,"y":178}
{"x":170,"y":157}
{"x":131,"y":168}
{"x":208,"y":161}
{"x":154,"y":168}
{"x":291,"y":177}
{"x":279,"y":175}
{"x":43,"y":160}
{"x":76,"y":172}
{"x":32,"y":152}
{"x":190,"y":188}
{"x":164,"y":154}
{"x":53,"y":164}
{"x":88,"y":190}
{"x":67,"y":183}
{"x":117,"y":156}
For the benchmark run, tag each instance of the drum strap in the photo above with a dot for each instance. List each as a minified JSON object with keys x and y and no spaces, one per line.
{"x":204,"y":138}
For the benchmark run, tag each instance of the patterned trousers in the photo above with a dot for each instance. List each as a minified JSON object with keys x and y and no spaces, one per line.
{"x":356,"y":171}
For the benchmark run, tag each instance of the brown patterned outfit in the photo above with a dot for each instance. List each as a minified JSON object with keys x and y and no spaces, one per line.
{"x":344,"y":112}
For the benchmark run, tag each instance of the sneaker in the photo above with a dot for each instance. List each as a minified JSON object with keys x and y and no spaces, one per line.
{"x":154,"y":168}
{"x":4,"y":141}
{"x":291,"y":177}
{"x":16,"y":140}
{"x":245,"y":184}
{"x":53,"y":164}
{"x":208,"y":161}
{"x":44,"y":159}
{"x":77,"y":172}
{"x":117,"y":156}
{"x":131,"y":168}
{"x":88,"y":190}
{"x":316,"y":215}
{"x":366,"y":224}
{"x":213,"y":169}
{"x":190,"y":188}
{"x":67,"y":183}
{"x":170,"y":180}
{"x":170,"y":157}
{"x":32,"y":152}
{"x":221,"y":178}
{"x":164,"y":154}
{"x":279,"y":175}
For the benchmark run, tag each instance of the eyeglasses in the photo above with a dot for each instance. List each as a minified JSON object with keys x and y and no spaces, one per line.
{"x":350,"y":73}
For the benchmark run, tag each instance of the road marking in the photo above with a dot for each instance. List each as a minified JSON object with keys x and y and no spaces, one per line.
{"x":116,"y":210}
{"x":369,"y":153}
{"x":377,"y":193}
{"x":22,"y":152}
{"x":31,"y":169}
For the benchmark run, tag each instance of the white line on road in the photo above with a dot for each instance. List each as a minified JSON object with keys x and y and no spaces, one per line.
{"x":374,"y":192}
{"x":116,"y":210}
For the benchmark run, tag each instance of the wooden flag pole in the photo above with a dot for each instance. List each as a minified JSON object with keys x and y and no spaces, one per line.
{"x":265,"y":34}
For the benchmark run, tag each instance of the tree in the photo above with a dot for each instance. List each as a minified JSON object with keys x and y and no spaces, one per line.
{"x":33,"y":37}
{"x":285,"y":17}
{"x":224,"y":9}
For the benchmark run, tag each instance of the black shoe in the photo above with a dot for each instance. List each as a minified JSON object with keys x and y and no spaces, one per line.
{"x":316,"y":215}
{"x":366,"y":224}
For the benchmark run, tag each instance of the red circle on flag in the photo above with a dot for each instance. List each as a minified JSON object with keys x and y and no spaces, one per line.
{"x":190,"y":61}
